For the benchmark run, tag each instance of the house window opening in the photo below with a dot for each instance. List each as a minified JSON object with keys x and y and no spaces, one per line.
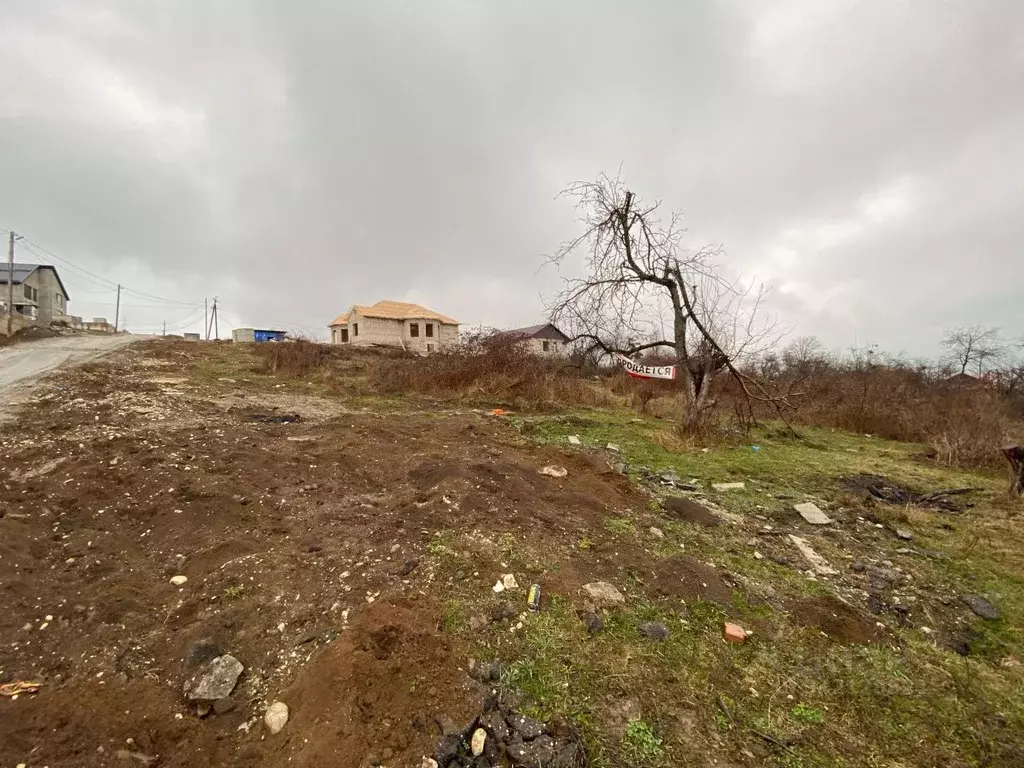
{"x":414,"y":330}
{"x":430,"y":330}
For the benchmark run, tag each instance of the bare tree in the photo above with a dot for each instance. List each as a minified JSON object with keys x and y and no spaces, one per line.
{"x":637,"y":275}
{"x":804,"y":355}
{"x":973,"y":346}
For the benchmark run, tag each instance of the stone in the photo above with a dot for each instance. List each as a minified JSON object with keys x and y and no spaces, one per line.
{"x":553,"y":471}
{"x":656,"y":532}
{"x":476,"y":744}
{"x":509,"y":581}
{"x":494,"y":723}
{"x":408,"y":566}
{"x":503,"y":611}
{"x":218,"y":681}
{"x":428,"y":762}
{"x":202,"y":651}
{"x":396,"y":547}
{"x":981,"y":607}
{"x":276,"y":717}
{"x":592,"y":622}
{"x":734,"y":633}
{"x":812,"y":514}
{"x":728,"y":486}
{"x":818,"y":564}
{"x":655,"y":630}
{"x":223,"y":706}
{"x":858,"y":567}
{"x":499,"y":587}
{"x":575,"y":440}
{"x":539,"y":753}
{"x":178,"y":580}
{"x":613,"y":447}
{"x":603,"y":594}
{"x":525,"y":726}
{"x":670,"y":478}
{"x":448,"y":748}
{"x":904,"y":534}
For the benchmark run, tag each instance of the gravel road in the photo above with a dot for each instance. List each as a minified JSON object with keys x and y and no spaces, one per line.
{"x":21,"y":364}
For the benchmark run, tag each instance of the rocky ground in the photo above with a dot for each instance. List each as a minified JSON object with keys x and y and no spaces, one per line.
{"x":194,"y":576}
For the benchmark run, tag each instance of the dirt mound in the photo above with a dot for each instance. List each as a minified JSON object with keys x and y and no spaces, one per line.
{"x":841,"y":622}
{"x":687,"y":578}
{"x":688,"y":510}
{"x":373,"y":695}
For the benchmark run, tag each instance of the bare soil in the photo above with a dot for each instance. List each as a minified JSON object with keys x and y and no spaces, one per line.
{"x":305,"y":546}
{"x":838,"y":620}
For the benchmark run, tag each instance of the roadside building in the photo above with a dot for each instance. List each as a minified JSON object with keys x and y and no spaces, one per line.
{"x":40,"y":297}
{"x":395,"y":324}
{"x":256,"y":335}
{"x":544,"y":339}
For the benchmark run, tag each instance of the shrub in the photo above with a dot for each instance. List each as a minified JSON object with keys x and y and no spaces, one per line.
{"x":300,"y":357}
{"x":492,"y":366}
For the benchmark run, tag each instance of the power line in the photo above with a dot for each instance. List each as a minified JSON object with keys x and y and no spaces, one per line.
{"x":103,"y":280}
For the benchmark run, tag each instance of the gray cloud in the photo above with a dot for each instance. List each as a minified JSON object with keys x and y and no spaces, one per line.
{"x":863,"y":158}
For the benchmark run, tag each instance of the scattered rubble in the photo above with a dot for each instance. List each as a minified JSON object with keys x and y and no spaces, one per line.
{"x":728,"y":486}
{"x":603,"y":594}
{"x":818,"y":564}
{"x":812,"y":514}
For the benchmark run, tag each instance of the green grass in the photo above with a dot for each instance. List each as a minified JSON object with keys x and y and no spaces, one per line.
{"x":640,"y":744}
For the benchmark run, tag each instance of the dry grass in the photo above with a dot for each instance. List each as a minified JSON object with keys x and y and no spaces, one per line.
{"x":492,"y":368}
{"x":292,"y":358}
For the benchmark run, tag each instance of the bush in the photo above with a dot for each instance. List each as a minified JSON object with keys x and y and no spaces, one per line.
{"x":300,"y":357}
{"x":964,"y":420}
{"x":492,"y":366}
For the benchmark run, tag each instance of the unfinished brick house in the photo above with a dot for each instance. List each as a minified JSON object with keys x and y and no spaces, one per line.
{"x":395,"y":324}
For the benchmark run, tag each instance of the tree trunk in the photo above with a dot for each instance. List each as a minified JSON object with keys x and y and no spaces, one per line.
{"x":695,"y":400}
{"x":1015,"y":455}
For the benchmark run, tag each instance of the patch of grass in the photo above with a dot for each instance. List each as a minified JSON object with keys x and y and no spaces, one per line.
{"x":805,"y":713}
{"x":232,"y":593}
{"x":641,"y":744}
{"x":453,"y":616}
{"x":620,"y":526}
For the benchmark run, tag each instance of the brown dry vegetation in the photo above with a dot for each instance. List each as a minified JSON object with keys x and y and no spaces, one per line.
{"x":964,"y":422}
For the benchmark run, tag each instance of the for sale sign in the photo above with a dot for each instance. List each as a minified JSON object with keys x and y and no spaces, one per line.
{"x":638,"y":371}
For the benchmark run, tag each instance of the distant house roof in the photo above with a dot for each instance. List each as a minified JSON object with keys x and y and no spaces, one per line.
{"x":22,"y":271}
{"x":545,"y":331}
{"x":394,"y":310}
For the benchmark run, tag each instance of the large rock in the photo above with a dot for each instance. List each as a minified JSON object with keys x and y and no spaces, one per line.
{"x":981,"y":607}
{"x":603,"y":594}
{"x":217,"y":681}
{"x":276,"y":717}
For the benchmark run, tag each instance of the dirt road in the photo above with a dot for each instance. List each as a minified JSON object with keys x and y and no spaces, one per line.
{"x":20,"y":364}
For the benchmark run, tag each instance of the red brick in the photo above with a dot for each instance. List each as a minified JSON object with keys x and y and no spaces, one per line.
{"x":734,"y":633}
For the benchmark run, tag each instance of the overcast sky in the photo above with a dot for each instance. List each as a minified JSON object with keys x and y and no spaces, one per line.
{"x":866,"y":159}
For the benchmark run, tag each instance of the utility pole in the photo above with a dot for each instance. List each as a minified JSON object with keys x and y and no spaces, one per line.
{"x":213,"y":322}
{"x":117,"y":310}
{"x":206,"y":317}
{"x":10,"y":285}
{"x":165,"y":327}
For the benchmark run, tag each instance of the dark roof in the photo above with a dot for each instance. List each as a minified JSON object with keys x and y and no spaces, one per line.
{"x":545,"y":331}
{"x":22,"y":271}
